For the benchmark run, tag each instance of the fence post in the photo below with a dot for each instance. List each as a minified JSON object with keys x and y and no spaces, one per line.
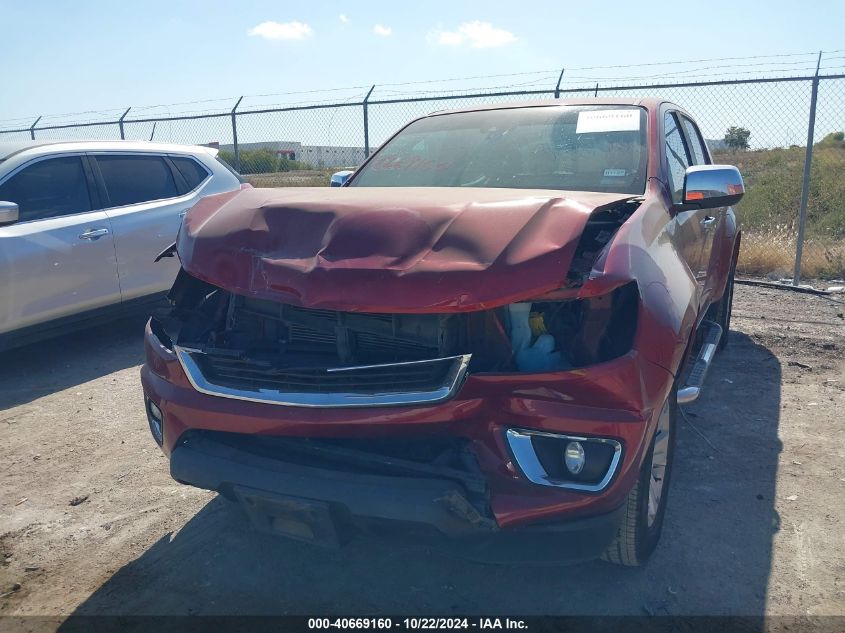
{"x":557,"y":87}
{"x":596,"y":93}
{"x":805,"y":184}
{"x":367,"y":124}
{"x":32,"y":128}
{"x":120,"y":123}
{"x":153,"y":133}
{"x":235,"y":135}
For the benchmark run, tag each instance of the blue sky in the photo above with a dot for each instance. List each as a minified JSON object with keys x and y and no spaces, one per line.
{"x":62,"y":57}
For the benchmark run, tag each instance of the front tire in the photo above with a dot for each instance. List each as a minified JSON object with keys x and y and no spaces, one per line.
{"x":645,"y":506}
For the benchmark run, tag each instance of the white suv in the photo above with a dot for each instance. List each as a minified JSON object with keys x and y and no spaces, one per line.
{"x":82,"y":221}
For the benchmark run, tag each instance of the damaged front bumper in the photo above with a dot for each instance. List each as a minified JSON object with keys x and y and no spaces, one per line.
{"x":328,"y":507}
{"x":615,"y":401}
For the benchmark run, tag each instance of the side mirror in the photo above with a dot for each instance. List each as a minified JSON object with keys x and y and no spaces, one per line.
{"x":709,"y":186}
{"x":339,"y":178}
{"x":9,"y":212}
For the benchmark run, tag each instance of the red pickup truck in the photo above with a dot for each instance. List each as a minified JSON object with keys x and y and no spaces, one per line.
{"x":481,"y":338}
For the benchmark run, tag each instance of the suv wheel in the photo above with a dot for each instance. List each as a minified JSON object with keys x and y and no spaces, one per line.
{"x":645,"y":506}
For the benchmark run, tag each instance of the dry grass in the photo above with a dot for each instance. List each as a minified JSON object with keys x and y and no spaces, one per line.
{"x":299,"y":178}
{"x":772,"y":254}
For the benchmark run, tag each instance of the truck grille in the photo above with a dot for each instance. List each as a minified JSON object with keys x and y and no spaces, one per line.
{"x":377,"y":337}
{"x":414,"y":382}
{"x":303,"y":338}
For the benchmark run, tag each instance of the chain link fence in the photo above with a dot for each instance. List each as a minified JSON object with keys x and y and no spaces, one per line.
{"x":301,"y":144}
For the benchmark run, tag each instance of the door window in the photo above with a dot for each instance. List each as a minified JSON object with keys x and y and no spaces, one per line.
{"x":191,"y":171}
{"x":676,"y":155}
{"x":48,"y":188}
{"x":699,"y":154}
{"x":135,"y":179}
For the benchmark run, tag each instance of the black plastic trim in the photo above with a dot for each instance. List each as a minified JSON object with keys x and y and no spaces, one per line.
{"x":396,"y":507}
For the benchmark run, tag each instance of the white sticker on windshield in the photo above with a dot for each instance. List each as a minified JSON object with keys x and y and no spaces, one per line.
{"x":627,"y":120}
{"x":615,"y":172}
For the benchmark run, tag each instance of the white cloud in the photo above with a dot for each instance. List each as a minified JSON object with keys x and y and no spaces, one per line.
{"x":449,"y":38}
{"x":343,"y":18}
{"x":477,"y":34}
{"x":282,"y":30}
{"x":384,"y":31}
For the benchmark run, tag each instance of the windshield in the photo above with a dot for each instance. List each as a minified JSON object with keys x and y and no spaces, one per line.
{"x":578,"y":148}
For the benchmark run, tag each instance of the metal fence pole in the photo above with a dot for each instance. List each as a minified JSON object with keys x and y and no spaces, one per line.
{"x":120,"y":123}
{"x":557,"y":87}
{"x":805,"y":184}
{"x":367,"y":124}
{"x":32,"y":128}
{"x":235,"y":135}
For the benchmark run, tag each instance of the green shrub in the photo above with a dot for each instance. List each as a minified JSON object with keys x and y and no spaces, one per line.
{"x":261,"y":161}
{"x":773,"y":188}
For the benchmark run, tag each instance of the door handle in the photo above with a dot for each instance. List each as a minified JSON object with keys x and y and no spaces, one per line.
{"x":182,"y":213}
{"x":93,"y":234}
{"x":708,"y":221}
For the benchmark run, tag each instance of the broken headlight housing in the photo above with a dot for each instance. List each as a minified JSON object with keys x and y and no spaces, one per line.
{"x":560,"y":335}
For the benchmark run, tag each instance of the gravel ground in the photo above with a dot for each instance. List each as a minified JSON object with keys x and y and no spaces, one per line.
{"x":91,"y":523}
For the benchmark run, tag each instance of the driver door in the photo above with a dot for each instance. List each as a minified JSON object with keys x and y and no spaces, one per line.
{"x":712,"y":220}
{"x":691,"y":226}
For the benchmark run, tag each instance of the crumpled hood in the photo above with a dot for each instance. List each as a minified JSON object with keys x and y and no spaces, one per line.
{"x":387,"y":249}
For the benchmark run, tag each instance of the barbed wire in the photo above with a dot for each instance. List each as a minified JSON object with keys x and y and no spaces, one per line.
{"x":726,"y":71}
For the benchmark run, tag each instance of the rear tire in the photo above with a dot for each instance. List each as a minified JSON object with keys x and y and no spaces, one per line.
{"x":642,"y":521}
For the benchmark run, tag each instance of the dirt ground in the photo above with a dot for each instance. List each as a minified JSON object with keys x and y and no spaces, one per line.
{"x":91,"y":523}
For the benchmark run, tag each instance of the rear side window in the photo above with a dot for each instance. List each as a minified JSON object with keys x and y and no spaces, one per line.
{"x":676,"y":155}
{"x":135,"y":179}
{"x":48,"y":188}
{"x":191,"y":171}
{"x":696,"y":144}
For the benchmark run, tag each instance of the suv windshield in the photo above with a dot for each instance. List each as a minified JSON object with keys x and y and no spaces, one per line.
{"x":577,"y":148}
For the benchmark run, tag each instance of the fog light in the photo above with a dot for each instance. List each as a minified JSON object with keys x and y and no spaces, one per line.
{"x":155,"y":411}
{"x":573,"y":457}
{"x":585,"y":463}
{"x":155,"y":416}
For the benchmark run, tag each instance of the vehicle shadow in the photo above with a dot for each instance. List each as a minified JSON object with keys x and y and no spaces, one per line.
{"x":39,"y":369}
{"x":715,"y":556}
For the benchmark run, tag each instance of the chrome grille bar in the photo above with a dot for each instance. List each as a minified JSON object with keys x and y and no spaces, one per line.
{"x":367,"y":393}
